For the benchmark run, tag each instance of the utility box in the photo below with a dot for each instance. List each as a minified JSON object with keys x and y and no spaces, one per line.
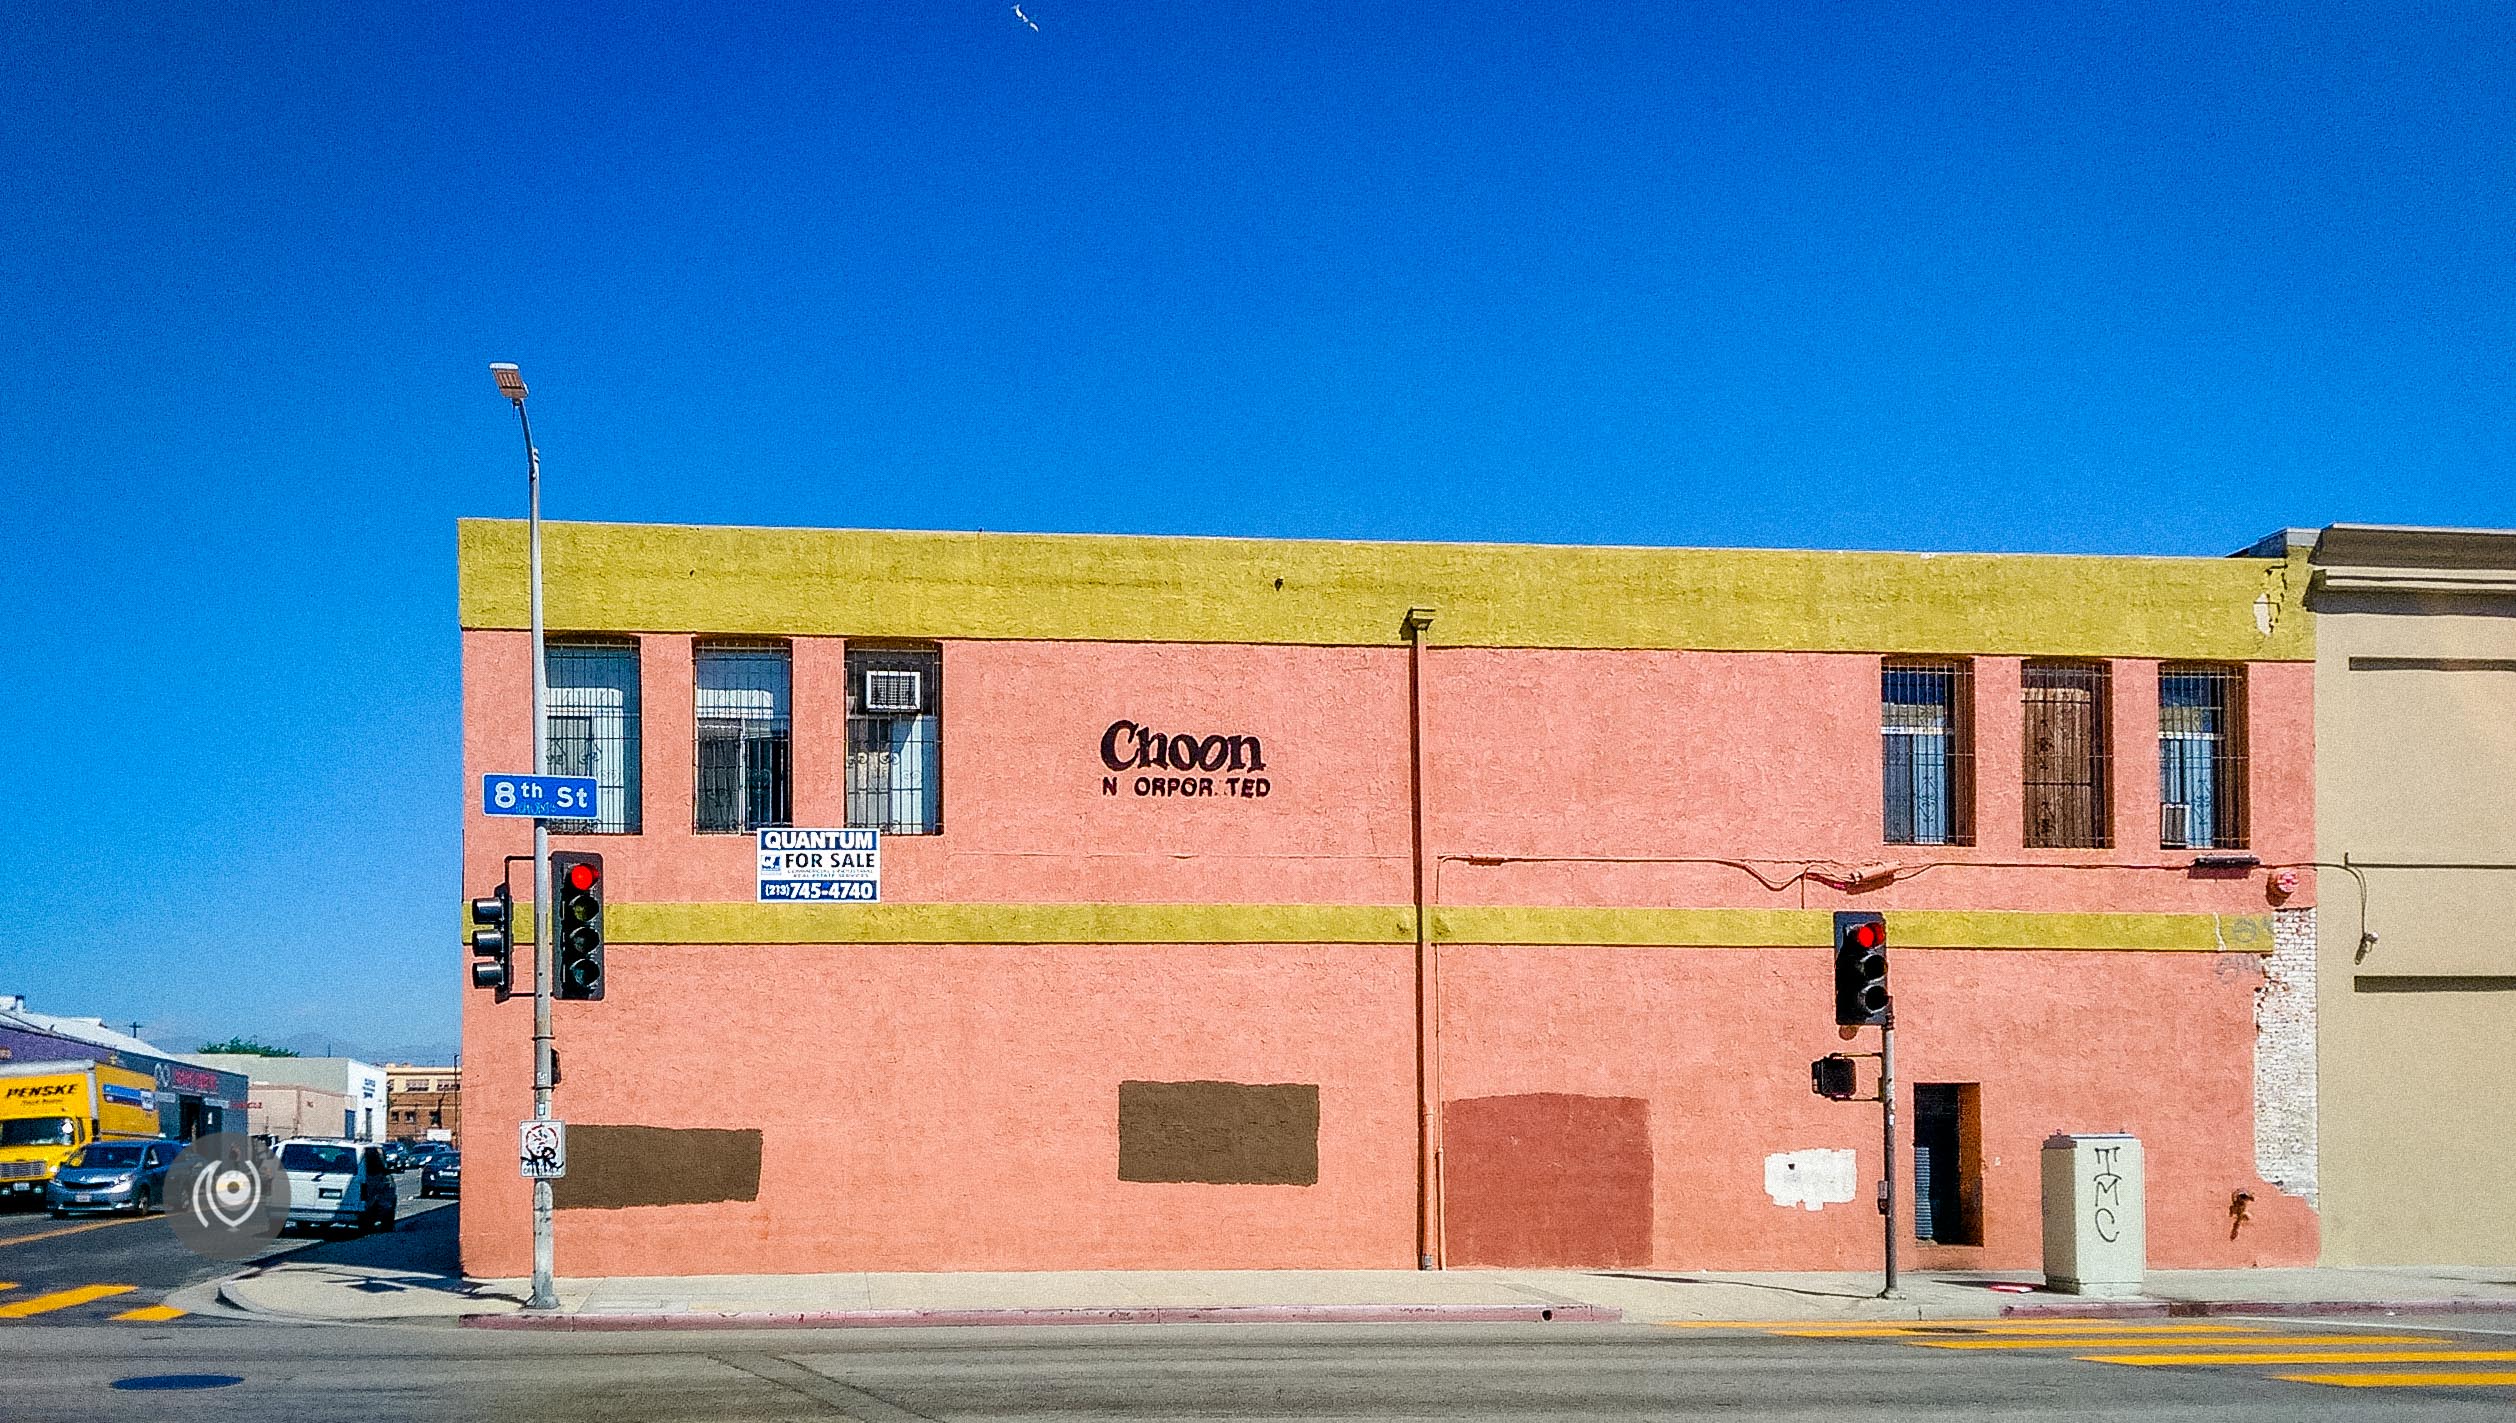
{"x":2096,"y":1225}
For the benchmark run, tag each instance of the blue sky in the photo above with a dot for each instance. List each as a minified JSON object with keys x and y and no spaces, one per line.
{"x":2144,"y":278}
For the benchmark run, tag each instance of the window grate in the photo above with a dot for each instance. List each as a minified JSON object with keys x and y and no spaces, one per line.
{"x":895,"y":758}
{"x":2067,"y":760}
{"x":2201,"y":758}
{"x":744,"y":778}
{"x":593,"y":729}
{"x":1926,"y":730}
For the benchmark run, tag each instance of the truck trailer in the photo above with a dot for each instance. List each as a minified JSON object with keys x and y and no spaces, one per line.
{"x":49,"y":1110}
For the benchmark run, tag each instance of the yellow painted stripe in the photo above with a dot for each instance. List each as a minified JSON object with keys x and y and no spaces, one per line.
{"x":2179,"y":1341}
{"x":2044,"y":1336}
{"x":61,"y":1299}
{"x":2317,"y":1356}
{"x":151,"y":1314}
{"x":867,"y":583}
{"x":2094,"y":1326}
{"x":2390,"y":1380}
{"x":1820,"y":1328}
{"x":735,"y":922}
{"x":72,"y":1230}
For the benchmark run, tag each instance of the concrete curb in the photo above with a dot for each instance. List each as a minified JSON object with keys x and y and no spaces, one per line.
{"x":1150,"y":1314}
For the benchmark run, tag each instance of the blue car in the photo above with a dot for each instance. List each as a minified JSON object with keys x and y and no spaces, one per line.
{"x":113,"y":1176}
{"x":442,"y":1175}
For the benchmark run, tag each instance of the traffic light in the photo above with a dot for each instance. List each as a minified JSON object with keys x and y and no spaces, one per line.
{"x":493,"y":944}
{"x":1860,"y":968}
{"x":577,"y":924}
{"x":1833,"y":1076}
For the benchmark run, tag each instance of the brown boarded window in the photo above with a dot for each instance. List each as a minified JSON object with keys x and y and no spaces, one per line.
{"x":2066,"y":755}
{"x":2201,"y":758}
{"x":1219,"y":1133}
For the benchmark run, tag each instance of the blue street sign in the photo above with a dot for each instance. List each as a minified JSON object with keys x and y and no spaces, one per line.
{"x":542,"y":797}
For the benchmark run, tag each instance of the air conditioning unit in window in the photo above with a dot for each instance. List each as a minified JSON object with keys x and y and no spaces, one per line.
{"x":891,"y":691}
{"x":2175,"y":826}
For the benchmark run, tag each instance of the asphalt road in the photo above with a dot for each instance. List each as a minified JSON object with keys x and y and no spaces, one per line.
{"x":90,"y":1269}
{"x":1517,"y":1372}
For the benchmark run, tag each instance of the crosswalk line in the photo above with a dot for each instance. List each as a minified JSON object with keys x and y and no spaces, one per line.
{"x":2237,"y":1341}
{"x":2389,"y":1380}
{"x":2314,"y":1356}
{"x":66,"y":1299}
{"x":150,"y":1314}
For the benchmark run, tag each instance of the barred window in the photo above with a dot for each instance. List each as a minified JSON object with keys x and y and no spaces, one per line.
{"x":2067,"y":755}
{"x":1926,"y":727}
{"x":594,"y":729}
{"x":745,"y":749}
{"x":2201,"y":758}
{"x":895,"y":740}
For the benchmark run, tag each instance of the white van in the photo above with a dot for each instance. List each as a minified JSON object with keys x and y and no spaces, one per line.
{"x":339,"y":1184}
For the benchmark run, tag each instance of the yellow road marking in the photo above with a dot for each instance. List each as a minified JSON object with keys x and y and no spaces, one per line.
{"x":64,"y":1299}
{"x":72,"y":1230}
{"x":2314,"y":1356}
{"x":2240,"y":1341}
{"x":151,"y":1314}
{"x":2081,"y":1328}
{"x":2403,"y":1380}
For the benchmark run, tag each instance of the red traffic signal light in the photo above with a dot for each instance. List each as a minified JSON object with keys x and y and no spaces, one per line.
{"x":1861,"y":997}
{"x":578,"y":963}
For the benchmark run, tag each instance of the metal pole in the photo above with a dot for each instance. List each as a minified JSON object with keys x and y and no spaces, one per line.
{"x":1887,"y":1113}
{"x":544,"y":1296}
{"x":1428,"y":1203}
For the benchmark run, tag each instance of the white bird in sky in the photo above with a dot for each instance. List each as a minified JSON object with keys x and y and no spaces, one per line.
{"x":1034,"y":24}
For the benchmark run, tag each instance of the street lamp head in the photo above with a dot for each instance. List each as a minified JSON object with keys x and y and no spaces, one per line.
{"x":510,"y":380}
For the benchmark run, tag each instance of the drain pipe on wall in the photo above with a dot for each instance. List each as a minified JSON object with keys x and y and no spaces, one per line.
{"x":1428,"y":1231}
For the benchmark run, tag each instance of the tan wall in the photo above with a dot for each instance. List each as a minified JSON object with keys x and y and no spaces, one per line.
{"x":2416,"y":765}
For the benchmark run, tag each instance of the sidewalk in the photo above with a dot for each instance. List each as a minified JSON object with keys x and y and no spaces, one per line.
{"x":348,"y":1290}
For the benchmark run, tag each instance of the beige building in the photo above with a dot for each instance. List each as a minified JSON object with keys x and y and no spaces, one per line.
{"x":423,"y":1103}
{"x":2415,"y":698}
{"x":279,"y":1110}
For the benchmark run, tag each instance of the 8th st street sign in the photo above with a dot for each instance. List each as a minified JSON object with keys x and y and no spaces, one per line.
{"x":541,"y":797}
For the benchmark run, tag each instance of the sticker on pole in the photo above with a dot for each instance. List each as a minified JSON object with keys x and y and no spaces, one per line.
{"x":544,"y":1153}
{"x":820,"y":866}
{"x":541,"y":797}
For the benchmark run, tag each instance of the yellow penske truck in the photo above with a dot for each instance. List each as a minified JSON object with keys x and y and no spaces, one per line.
{"x":50,"y":1110}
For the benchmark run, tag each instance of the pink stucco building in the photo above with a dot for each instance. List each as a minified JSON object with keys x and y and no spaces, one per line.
{"x":1490,"y":925}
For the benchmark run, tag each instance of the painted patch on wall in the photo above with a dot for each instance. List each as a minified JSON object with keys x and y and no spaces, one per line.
{"x":1547,"y":1179}
{"x":1811,"y":1179}
{"x":612,"y":1167}
{"x":1219,"y":1133}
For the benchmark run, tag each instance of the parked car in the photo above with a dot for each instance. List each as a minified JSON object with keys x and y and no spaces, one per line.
{"x":443,"y":1175}
{"x":397,"y":1156}
{"x":334,"y":1183}
{"x":113,"y":1176}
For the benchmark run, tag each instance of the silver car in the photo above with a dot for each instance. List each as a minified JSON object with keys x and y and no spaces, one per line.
{"x":113,"y":1176}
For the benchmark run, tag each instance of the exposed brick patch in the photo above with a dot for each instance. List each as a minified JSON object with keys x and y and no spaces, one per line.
{"x":2284,"y":1057}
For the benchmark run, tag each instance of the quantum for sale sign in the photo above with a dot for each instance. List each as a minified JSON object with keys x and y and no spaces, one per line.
{"x":820,"y":866}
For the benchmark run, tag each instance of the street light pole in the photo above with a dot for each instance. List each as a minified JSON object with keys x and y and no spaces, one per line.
{"x":511,"y":385}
